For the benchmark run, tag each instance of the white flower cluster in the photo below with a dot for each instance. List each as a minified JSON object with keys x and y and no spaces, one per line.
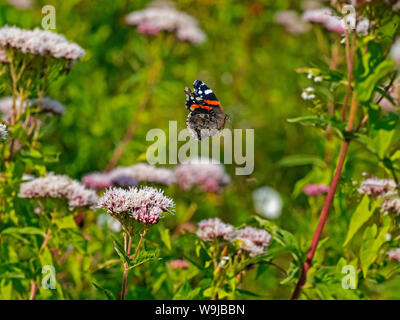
{"x":59,"y":186}
{"x":149,"y":173}
{"x":308,"y":94}
{"x":3,"y":132}
{"x":21,"y":4}
{"x":384,"y":189}
{"x":163,"y":17}
{"x":51,"y":106}
{"x":209,"y":175}
{"x":332,"y":22}
{"x":6,"y":108}
{"x":46,"y":105}
{"x":394,"y":254}
{"x":211,"y":229}
{"x":129,"y":176}
{"x":252,"y":240}
{"x":39,"y":42}
{"x":377,"y":187}
{"x":395,"y":52}
{"x":292,"y":22}
{"x":145,"y":205}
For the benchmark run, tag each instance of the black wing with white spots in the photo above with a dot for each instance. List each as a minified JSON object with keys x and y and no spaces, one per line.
{"x":201,"y":89}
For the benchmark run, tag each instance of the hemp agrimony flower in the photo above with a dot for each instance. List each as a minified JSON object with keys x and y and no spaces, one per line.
{"x":161,"y":16}
{"x":59,"y":186}
{"x":144,"y":205}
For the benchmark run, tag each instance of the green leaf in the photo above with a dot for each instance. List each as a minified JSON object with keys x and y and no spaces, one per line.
{"x":144,"y":257}
{"x":248,"y":293}
{"x":301,"y":160}
{"x":165,"y":238}
{"x":107,"y":293}
{"x":185,"y":292}
{"x":367,"y":86}
{"x":361,"y":215}
{"x":26,"y":230}
{"x":372,"y":243}
{"x":66,"y":222}
{"x":121,"y":252}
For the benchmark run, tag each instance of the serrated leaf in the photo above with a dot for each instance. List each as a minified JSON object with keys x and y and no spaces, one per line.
{"x":121,"y":252}
{"x":107,"y":293}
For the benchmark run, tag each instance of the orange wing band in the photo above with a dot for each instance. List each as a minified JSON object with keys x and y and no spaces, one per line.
{"x":196,"y":106}
{"x":212,"y":102}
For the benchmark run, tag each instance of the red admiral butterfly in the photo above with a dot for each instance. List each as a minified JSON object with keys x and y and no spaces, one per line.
{"x":206,"y":117}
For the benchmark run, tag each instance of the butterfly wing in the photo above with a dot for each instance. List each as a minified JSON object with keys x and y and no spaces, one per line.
{"x":201,"y":89}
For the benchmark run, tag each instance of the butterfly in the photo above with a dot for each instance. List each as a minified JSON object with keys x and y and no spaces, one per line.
{"x":206,"y":117}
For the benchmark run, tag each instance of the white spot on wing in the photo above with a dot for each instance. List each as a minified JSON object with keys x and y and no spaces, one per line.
{"x":208,"y":91}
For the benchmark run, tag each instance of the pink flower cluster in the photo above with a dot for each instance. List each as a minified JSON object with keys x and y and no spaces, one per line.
{"x":376,"y":187}
{"x":145,"y":205}
{"x":47,"y":105}
{"x":394,"y":254}
{"x":59,"y":186}
{"x":39,"y":42}
{"x":315,"y":189}
{"x":212,"y":229}
{"x":384,"y":189}
{"x":395,"y":52}
{"x":292,"y":22}
{"x":207,"y":174}
{"x":161,"y":16}
{"x":252,"y":240}
{"x":179,"y":264}
{"x":129,"y":176}
{"x":332,"y":22}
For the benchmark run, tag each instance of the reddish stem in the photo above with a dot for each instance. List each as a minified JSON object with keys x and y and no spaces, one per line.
{"x":328,"y":201}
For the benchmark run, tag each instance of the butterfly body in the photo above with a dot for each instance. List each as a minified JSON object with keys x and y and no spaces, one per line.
{"x":206,"y":117}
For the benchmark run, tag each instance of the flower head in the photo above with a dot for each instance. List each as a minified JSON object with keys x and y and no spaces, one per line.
{"x":179,"y":264}
{"x":149,"y":173}
{"x":45,"y":105}
{"x":390,"y":203}
{"x":39,"y":42}
{"x":211,"y":229}
{"x":97,"y":180}
{"x":292,"y":22}
{"x":21,"y":4}
{"x":6,"y":105}
{"x":395,"y":52}
{"x":129,"y":177}
{"x":315,"y":189}
{"x":59,"y":186}
{"x":145,"y":205}
{"x":394,"y":254}
{"x":207,"y":174}
{"x":123,"y":181}
{"x":49,"y":105}
{"x":376,"y":187}
{"x":253,"y":240}
{"x":332,"y":22}
{"x":161,"y":16}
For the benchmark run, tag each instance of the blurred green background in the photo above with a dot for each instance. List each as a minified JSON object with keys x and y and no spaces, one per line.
{"x":248,"y":60}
